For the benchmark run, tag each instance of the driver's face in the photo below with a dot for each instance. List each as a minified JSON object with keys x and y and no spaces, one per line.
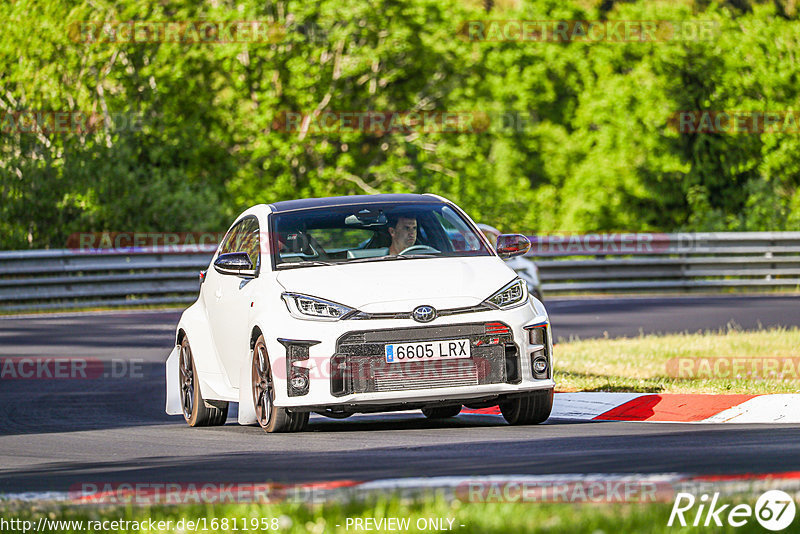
{"x":404,"y":234}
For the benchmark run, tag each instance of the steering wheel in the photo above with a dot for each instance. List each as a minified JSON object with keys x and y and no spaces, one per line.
{"x":420,"y":248}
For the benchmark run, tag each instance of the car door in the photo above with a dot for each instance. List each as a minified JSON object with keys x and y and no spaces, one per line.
{"x":230,"y":297}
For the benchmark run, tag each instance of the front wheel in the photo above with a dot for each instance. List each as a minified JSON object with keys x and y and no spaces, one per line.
{"x":531,"y":409}
{"x":270,"y":417}
{"x":196,"y":410}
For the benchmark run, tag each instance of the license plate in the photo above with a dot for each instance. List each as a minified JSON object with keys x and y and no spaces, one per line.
{"x":427,"y":350}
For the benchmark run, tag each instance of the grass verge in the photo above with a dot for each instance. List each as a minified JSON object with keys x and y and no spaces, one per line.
{"x":733,"y":361}
{"x":430,"y":515}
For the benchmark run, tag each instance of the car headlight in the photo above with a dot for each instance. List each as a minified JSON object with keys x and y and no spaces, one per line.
{"x":511,"y":295}
{"x":306,"y":307}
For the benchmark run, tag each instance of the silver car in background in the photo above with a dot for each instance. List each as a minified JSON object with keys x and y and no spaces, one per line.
{"x":525,"y":267}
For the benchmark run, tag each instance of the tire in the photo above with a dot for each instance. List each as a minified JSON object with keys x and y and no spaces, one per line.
{"x":441,"y":412}
{"x":196,"y":410}
{"x":528,"y":410}
{"x":537,"y":294}
{"x":270,"y":417}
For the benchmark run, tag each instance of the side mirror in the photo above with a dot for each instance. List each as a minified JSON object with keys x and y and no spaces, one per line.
{"x":235,"y":263}
{"x":509,"y":245}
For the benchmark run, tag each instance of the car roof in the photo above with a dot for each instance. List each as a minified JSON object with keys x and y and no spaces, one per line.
{"x":308,"y":203}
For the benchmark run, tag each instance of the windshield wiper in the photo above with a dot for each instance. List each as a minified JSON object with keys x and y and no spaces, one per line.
{"x":390,"y":258}
{"x":413,"y":256}
{"x":374,"y":258}
{"x":308,"y":263}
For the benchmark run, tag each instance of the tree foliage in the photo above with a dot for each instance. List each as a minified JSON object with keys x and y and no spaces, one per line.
{"x":580,"y":138}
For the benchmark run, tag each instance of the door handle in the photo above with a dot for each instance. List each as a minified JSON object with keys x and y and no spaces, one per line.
{"x":218,"y":293}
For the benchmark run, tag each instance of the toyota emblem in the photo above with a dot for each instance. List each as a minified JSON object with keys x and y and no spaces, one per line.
{"x":424,"y":314}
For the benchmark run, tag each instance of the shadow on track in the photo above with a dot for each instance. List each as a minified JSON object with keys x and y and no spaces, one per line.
{"x":39,"y":406}
{"x":552,"y":449}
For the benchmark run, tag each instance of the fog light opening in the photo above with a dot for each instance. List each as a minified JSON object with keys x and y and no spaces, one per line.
{"x":539,"y":365}
{"x":299,"y":383}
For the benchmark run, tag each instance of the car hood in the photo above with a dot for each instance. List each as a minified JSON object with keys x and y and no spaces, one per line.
{"x":401,"y":285}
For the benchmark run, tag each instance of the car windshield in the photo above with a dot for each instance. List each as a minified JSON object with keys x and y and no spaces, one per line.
{"x":371,"y":232}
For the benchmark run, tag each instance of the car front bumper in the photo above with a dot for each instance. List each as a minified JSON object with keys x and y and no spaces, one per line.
{"x":344,"y":365}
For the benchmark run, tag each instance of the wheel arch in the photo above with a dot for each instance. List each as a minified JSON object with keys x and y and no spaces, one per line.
{"x":193,"y":325}
{"x":247,"y":413}
{"x":254,"y":334}
{"x":179,"y":337}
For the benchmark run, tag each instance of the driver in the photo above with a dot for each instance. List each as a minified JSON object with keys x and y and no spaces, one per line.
{"x":404,"y":235}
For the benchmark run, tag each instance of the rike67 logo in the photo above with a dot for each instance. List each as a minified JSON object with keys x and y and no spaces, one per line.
{"x":774,"y":510}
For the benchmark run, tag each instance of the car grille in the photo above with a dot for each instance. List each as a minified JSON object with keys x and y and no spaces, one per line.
{"x":359,"y":364}
{"x":425,"y":375}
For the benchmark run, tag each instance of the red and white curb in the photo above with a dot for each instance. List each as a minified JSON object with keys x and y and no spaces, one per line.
{"x":672,"y":408}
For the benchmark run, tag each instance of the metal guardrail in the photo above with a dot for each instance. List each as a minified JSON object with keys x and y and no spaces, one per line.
{"x":48,"y":279}
{"x":667,"y":262}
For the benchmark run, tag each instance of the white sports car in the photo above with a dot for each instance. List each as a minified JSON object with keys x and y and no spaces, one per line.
{"x":360,"y":304}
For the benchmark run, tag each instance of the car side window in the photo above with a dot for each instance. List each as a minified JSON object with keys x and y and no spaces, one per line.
{"x":229,"y":242}
{"x":248,"y":240}
{"x":243,"y":237}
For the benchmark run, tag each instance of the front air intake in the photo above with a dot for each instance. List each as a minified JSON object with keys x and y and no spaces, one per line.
{"x":359,"y":364}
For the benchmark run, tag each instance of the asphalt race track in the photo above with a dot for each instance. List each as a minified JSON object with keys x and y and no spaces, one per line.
{"x":55,"y":433}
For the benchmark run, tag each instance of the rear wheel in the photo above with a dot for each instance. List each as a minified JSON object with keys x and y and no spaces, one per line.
{"x":528,"y":410}
{"x":196,"y":410}
{"x":270,"y":417}
{"x":441,"y":412}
